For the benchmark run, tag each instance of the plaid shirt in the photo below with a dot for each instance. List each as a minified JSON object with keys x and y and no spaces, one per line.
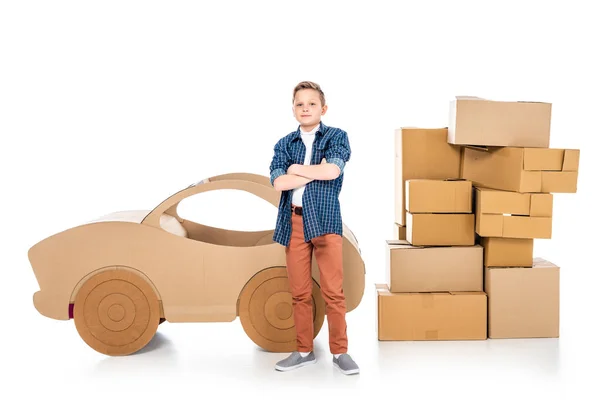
{"x":320,"y":203}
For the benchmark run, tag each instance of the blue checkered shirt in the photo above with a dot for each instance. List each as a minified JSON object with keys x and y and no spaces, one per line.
{"x":320,"y":202}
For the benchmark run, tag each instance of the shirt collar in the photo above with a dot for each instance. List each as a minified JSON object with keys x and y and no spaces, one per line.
{"x":320,"y":131}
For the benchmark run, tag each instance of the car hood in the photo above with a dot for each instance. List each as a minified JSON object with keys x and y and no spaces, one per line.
{"x":167,"y":222}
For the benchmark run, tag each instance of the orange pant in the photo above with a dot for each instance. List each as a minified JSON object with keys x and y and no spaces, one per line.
{"x":328,"y":253}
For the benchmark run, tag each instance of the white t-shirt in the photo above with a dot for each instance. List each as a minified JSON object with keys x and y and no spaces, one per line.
{"x":308,"y":138}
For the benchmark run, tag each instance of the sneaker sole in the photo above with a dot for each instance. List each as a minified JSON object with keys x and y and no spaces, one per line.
{"x":350,"y":372}
{"x":302,"y":364}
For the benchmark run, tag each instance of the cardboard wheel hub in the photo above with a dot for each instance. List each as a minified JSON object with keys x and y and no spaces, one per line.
{"x":266,"y":312}
{"x":278,"y":309}
{"x":116,"y":312}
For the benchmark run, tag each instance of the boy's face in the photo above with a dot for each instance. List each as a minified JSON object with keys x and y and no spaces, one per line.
{"x":307,"y":108}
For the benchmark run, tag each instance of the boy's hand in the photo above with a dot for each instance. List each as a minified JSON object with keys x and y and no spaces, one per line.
{"x":293,"y":169}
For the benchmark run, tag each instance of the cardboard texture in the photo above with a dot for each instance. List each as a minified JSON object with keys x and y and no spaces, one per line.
{"x":507,"y":252}
{"x":433,"y":269}
{"x":477,"y":121}
{"x":438,"y":196}
{"x":135,"y":269}
{"x":440,"y":229}
{"x":524,"y":302}
{"x":421,"y":154}
{"x":399,"y":231}
{"x":431,"y":316}
{"x":525,"y":170}
{"x":506,"y":214}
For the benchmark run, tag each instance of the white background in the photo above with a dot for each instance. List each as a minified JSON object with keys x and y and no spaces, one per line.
{"x":115,"y":105}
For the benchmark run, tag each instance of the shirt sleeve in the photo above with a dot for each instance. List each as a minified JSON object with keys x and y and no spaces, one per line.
{"x":338,"y":150}
{"x":280,"y":162}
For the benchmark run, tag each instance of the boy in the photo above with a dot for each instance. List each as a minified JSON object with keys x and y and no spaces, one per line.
{"x":307,"y":167}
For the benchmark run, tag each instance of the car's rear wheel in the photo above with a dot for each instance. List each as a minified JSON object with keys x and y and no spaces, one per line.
{"x":265,"y":310}
{"x":116,"y":312}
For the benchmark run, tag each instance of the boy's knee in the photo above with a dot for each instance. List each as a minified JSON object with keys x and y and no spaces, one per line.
{"x":302,"y":296}
{"x":333,"y":294}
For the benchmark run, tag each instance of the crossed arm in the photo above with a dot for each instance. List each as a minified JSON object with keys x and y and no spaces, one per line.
{"x":298,"y":175}
{"x":287,"y":177}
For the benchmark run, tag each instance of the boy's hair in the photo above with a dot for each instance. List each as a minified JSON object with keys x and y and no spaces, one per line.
{"x":309,"y":85}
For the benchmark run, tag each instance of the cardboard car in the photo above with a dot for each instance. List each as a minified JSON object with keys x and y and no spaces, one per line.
{"x":119,"y":276}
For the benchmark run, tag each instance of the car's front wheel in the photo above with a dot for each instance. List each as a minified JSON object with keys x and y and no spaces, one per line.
{"x":116,"y":312}
{"x":265,"y":310}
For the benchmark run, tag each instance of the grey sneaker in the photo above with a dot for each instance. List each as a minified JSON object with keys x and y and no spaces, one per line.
{"x":346,"y":364}
{"x":295,"y":360}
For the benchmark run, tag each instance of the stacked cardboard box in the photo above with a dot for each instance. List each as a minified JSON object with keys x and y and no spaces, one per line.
{"x":421,"y":154}
{"x":502,"y":149}
{"x":432,"y":293}
{"x":515,"y":174}
{"x":434,"y":287}
{"x":439,"y":212}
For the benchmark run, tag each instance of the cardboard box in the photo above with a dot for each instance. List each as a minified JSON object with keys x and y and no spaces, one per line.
{"x":421,"y":154}
{"x":431,"y":316}
{"x":420,"y":269}
{"x":500,"y":213}
{"x":476,"y":121}
{"x":440,"y":229}
{"x":399,"y":231}
{"x":524,"y":302}
{"x":525,"y":170}
{"x":507,"y":252}
{"x":438,"y":196}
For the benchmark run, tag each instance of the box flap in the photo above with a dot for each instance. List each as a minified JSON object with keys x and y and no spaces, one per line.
{"x":382,"y":287}
{"x":468,"y":98}
{"x":478,"y":148}
{"x":559,"y":181}
{"x":399,"y":244}
{"x":495,"y":201}
{"x":571,"y":160}
{"x":539,"y":262}
{"x":396,"y":241}
{"x":499,"y":101}
{"x":454,"y":179}
{"x":539,"y":159}
{"x":527,"y":227}
{"x":467,"y":293}
{"x":541,"y":205}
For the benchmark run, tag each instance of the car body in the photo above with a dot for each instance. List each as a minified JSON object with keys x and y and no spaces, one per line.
{"x":185,"y":271}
